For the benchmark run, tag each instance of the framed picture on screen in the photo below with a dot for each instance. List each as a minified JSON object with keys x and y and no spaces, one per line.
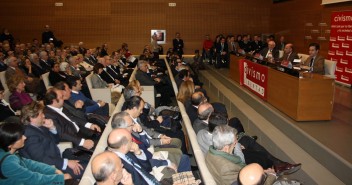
{"x":160,"y":35}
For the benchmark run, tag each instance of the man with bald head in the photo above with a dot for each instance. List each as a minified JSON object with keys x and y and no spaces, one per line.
{"x":254,"y":174}
{"x":204,"y":112}
{"x":192,"y":107}
{"x":120,"y":142}
{"x":270,"y":52}
{"x":289,"y":54}
{"x":107,"y":169}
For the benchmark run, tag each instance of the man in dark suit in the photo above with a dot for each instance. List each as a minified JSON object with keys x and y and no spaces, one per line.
{"x":204,"y":112}
{"x":222,"y":53}
{"x":245,"y":44}
{"x":315,"y":62}
{"x":42,"y":140}
{"x":107,"y":168}
{"x":270,"y":52}
{"x":160,"y":84}
{"x":289,"y":54}
{"x":257,"y":44}
{"x":120,"y":142}
{"x":44,"y":62}
{"x":178,"y":45}
{"x":192,"y":106}
{"x":68,"y":130}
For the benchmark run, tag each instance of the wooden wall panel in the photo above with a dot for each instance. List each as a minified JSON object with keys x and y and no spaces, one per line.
{"x":116,"y":21}
{"x":288,"y":18}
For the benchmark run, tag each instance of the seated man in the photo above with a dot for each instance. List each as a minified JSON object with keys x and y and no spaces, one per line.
{"x":270,"y":53}
{"x":134,"y":107}
{"x":42,"y":140}
{"x":204,"y":112}
{"x":90,"y":106}
{"x":315,"y":62}
{"x":289,"y":54}
{"x":192,"y":106}
{"x":222,"y":164}
{"x":255,"y":174}
{"x":120,"y":142}
{"x":68,"y":130}
{"x":164,"y":125}
{"x":222,"y":57}
{"x":124,"y":120}
{"x":160,"y":85}
{"x":107,"y":169}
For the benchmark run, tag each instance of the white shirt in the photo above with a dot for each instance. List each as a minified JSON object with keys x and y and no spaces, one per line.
{"x":59,"y":110}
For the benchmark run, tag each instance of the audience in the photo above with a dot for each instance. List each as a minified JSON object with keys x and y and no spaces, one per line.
{"x":19,"y":170}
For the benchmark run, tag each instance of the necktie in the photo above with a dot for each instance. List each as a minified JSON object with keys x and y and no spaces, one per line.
{"x":145,"y":174}
{"x":311,"y":62}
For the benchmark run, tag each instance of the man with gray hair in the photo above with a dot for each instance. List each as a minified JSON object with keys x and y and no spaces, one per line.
{"x":44,"y":62}
{"x":222,"y":164}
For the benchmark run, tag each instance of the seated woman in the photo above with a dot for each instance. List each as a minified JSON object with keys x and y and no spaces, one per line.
{"x":98,"y":82}
{"x":7,"y":113}
{"x":19,"y":97}
{"x":185,"y":91}
{"x":18,"y":170}
{"x":55,"y":76}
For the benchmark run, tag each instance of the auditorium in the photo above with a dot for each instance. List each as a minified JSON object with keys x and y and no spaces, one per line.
{"x":173,"y":92}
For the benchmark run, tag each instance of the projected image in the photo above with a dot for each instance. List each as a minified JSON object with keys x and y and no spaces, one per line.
{"x":160,"y":35}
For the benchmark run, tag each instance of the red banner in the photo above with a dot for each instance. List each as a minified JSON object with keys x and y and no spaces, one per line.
{"x":340,"y":47}
{"x":255,"y":77}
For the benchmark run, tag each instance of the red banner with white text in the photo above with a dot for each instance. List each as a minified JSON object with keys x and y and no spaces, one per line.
{"x":340,"y":46}
{"x":255,"y":77}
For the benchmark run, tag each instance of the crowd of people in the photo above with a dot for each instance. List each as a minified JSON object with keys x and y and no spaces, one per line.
{"x":146,"y":145}
{"x":218,"y":52}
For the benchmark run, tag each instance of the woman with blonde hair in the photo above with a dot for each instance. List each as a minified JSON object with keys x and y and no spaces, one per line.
{"x":185,"y":91}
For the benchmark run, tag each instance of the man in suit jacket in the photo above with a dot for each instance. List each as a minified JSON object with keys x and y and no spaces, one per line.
{"x":120,"y":142}
{"x":44,"y":62}
{"x":204,"y":112}
{"x":315,"y":61}
{"x":107,"y":168}
{"x":178,"y":45}
{"x":270,"y":51}
{"x":221,"y":162}
{"x":42,"y":140}
{"x":160,"y":85}
{"x":67,"y":129}
{"x":222,"y":53}
{"x":289,"y":54}
{"x":192,"y":106}
{"x":257,"y":44}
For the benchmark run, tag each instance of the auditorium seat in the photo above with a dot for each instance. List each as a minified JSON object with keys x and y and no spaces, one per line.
{"x":330,"y":67}
{"x":103,"y":94}
{"x":7,"y":92}
{"x":46,"y":81}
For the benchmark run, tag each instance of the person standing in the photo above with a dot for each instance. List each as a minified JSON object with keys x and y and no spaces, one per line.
{"x":178,"y":44}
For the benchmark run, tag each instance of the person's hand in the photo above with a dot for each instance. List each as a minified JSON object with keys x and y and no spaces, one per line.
{"x":79,"y":104}
{"x":126,"y":178}
{"x":18,"y":113}
{"x":101,"y":103}
{"x":95,"y":127}
{"x":173,"y":166}
{"x":163,"y":136}
{"x":110,"y":85}
{"x":88,"y":144}
{"x":165,"y":141}
{"x":157,"y":79}
{"x":75,"y":166}
{"x":137,"y":128}
{"x":67,"y":176}
{"x":135,"y":149}
{"x":270,"y":171}
{"x":160,"y":119}
{"x":197,"y":87}
{"x":117,"y":81}
{"x":58,"y":171}
{"x":48,"y":123}
{"x":30,"y":79}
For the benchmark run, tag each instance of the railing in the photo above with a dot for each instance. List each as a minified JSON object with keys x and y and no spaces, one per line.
{"x":207,"y":178}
